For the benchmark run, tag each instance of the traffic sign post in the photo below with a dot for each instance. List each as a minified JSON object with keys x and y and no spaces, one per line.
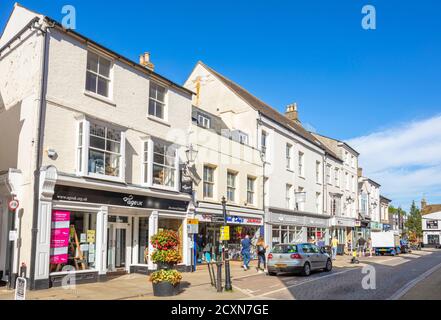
{"x":13,"y":204}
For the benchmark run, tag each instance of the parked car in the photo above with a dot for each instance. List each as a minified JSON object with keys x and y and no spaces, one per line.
{"x":301,"y":257}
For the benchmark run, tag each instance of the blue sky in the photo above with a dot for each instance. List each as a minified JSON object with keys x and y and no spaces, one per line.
{"x":349,"y":83}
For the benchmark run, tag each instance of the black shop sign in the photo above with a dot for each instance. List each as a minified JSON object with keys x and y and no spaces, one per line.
{"x":68,"y":193}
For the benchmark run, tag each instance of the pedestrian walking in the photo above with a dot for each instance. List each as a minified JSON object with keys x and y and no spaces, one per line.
{"x":369,"y":247}
{"x":261,"y":251}
{"x":334,"y":245}
{"x":360,"y":246}
{"x":207,"y":252}
{"x":349,"y":247}
{"x":246,"y":251}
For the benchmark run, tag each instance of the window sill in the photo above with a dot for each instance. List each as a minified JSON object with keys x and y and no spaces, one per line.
{"x":158,"y":120}
{"x":100,"y":98}
{"x":302,"y":177}
{"x":159,"y":187}
{"x":104,"y":177}
{"x":290,"y":170}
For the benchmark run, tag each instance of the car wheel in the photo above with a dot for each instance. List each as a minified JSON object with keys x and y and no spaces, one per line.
{"x":306,"y":269}
{"x":328,"y":267}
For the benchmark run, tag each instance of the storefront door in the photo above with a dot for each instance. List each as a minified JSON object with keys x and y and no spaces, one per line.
{"x":118,"y":247}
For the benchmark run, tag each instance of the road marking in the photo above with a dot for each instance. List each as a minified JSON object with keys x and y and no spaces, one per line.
{"x":401,"y":292}
{"x":303,"y":282}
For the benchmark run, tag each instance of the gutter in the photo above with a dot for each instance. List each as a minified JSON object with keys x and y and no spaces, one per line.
{"x":43,"y":27}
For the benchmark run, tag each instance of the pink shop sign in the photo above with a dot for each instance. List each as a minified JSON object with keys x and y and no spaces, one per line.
{"x":60,"y":238}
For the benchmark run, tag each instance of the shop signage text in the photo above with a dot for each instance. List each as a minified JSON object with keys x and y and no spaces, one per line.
{"x":224,"y":233}
{"x":67,"y":193}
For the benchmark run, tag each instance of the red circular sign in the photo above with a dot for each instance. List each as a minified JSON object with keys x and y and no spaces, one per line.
{"x":13,"y":205}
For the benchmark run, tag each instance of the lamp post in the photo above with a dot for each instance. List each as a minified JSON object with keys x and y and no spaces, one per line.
{"x":228,"y":286}
{"x":191,"y":155}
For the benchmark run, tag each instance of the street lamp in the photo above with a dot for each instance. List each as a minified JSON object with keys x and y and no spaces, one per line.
{"x":191,"y":154}
{"x":228,"y":286}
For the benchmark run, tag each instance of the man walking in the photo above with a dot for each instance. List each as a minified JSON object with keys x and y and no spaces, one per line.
{"x":334,"y":245}
{"x":246,"y":251}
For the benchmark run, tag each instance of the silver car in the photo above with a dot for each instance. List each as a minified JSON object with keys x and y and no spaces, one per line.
{"x":300,"y":257}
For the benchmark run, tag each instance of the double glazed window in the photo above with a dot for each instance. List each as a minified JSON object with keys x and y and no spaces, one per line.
{"x":231,"y":186}
{"x":208,"y":181}
{"x":100,"y":150}
{"x":98,"y":74}
{"x":157,"y":100}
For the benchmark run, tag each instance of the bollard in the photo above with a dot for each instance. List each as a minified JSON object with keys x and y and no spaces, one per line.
{"x":228,"y":285}
{"x":219,"y":276}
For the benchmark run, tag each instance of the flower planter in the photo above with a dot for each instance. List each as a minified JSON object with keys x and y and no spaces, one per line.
{"x":165,"y":289}
{"x":165,"y":266}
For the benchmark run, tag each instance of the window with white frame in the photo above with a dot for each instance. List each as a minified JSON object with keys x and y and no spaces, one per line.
{"x":337,"y":177}
{"x":301,"y":155}
{"x":100,"y":150}
{"x":288,"y":201}
{"x":231,"y":186}
{"x":165,"y":164}
{"x":250,"y":190}
{"x":318,"y":177}
{"x":353,"y":183}
{"x":352,"y":161}
{"x":288,"y":156}
{"x":243,"y":137}
{"x":157,"y":100}
{"x":300,"y":199}
{"x":328,"y":174}
{"x":98,"y":74}
{"x":203,"y":121}
{"x":208,"y":178}
{"x":318,"y":202}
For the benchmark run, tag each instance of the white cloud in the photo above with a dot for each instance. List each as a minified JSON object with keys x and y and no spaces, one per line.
{"x":405,"y":160}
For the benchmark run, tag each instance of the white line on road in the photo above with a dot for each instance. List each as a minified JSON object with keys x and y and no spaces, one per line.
{"x":401,"y":292}
{"x":303,"y":282}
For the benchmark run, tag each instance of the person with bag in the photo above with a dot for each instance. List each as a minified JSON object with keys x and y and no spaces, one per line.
{"x":261,"y":251}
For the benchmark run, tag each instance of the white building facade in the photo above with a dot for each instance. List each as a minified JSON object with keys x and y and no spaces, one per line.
{"x":106,"y":137}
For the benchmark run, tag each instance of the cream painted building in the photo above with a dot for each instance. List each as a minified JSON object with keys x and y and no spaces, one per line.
{"x":92,"y":144}
{"x":293,"y":158}
{"x":228,"y":169}
{"x":369,"y":205}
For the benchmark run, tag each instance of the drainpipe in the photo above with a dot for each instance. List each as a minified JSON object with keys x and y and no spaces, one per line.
{"x":41,"y":112}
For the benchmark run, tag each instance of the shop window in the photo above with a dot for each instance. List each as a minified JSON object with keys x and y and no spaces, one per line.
{"x":73,"y":241}
{"x":143,"y":241}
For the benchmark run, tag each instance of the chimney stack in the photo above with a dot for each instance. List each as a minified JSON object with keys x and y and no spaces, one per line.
{"x":144,"y":60}
{"x":291,"y":112}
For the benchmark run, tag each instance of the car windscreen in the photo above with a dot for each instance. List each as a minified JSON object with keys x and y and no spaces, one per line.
{"x":285,"y":248}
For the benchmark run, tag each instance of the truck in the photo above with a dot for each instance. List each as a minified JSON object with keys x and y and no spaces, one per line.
{"x":386,"y":242}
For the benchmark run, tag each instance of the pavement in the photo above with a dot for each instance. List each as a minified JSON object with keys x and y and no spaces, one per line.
{"x":343,"y":282}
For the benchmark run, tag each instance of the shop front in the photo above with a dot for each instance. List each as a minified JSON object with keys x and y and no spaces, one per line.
{"x":289,"y":227}
{"x":342,"y":229}
{"x":96,"y":233}
{"x":362,"y":229}
{"x":241,"y":222}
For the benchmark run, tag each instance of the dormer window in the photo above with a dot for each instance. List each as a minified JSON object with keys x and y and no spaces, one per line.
{"x":204,"y":121}
{"x":243,"y":137}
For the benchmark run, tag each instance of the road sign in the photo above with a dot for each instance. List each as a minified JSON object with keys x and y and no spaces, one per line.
{"x":224,"y":233}
{"x":13,"y":204}
{"x":192,"y":225}
{"x":20,"y":289}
